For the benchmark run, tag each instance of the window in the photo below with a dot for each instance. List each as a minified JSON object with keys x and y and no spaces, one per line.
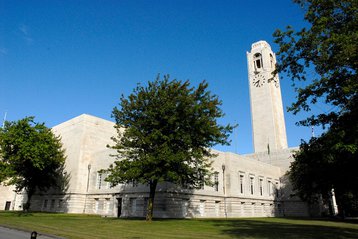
{"x":60,"y":203}
{"x":241,"y":182}
{"x":101,"y":183}
{"x":107,"y":205}
{"x":100,"y":204}
{"x":269,"y":187}
{"x":261,"y":186}
{"x":216,"y":181}
{"x":277,"y":189}
{"x":96,"y":204}
{"x":202,"y":207}
{"x":52,"y":203}
{"x":45,"y":203}
{"x":185,"y":207}
{"x":99,"y":180}
{"x":257,"y":61}
{"x":252,"y":185}
{"x":133,"y":205}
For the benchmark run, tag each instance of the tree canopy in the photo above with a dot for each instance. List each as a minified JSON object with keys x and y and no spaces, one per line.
{"x":31,"y":156}
{"x":330,"y":162}
{"x":328,"y":49}
{"x":165,"y":131}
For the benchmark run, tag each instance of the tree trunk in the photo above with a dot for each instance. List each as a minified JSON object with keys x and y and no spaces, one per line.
{"x":29,"y":193}
{"x":152,"y":186}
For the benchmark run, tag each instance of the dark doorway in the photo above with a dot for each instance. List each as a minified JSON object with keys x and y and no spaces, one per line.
{"x":119,"y":212}
{"x":7,"y":205}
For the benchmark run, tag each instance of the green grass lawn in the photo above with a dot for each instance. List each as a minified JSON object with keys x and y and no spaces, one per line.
{"x":84,"y":226}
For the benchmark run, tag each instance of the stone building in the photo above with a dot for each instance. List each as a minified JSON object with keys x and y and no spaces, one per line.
{"x":252,"y":185}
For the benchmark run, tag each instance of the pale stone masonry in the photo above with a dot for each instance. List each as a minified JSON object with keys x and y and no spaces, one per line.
{"x":252,"y":185}
{"x":268,"y":123}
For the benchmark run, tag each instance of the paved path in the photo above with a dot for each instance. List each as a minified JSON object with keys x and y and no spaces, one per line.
{"x":7,"y":233}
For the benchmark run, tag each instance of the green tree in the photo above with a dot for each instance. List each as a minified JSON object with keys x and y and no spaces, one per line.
{"x":165,"y":131}
{"x":330,"y":162}
{"x":328,"y":49}
{"x":31,"y":157}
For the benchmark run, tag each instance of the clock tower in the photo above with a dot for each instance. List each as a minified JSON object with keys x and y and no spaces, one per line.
{"x":268,"y":123}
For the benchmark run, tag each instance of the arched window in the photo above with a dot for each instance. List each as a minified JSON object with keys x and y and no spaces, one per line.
{"x":257,"y":61}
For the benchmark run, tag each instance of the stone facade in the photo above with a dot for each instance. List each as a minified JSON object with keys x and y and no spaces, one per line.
{"x":250,"y":185}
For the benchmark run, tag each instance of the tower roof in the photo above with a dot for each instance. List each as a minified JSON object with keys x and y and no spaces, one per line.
{"x":260,"y":44}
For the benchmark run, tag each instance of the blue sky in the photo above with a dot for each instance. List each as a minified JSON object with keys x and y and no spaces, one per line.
{"x":60,"y":59}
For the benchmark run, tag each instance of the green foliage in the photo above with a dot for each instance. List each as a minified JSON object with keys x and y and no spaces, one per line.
{"x":329,"y":162}
{"x":31,"y":156}
{"x":329,"y":47}
{"x":165,"y":131}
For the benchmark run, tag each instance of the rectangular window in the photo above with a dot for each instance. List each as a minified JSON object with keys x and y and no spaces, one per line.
{"x":252,"y":185}
{"x":269,"y":187}
{"x":261,"y":186}
{"x":277,"y":189}
{"x":96,"y":204}
{"x":99,"y":181}
{"x":100,"y":204}
{"x":216,"y":181}
{"x":110,"y":185}
{"x":241,"y":183}
{"x":45,"y":203}
{"x":258,"y":63}
{"x":106,"y":206}
{"x":52,"y":203}
{"x":60,"y":203}
{"x":133,"y":205}
{"x":202,"y":207}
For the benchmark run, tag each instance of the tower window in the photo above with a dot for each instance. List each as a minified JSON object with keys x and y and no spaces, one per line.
{"x":257,"y":61}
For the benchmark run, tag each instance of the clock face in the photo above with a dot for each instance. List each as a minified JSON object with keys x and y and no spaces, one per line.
{"x":258,"y":80}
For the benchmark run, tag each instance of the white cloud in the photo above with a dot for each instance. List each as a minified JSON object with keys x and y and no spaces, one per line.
{"x":26,"y":33}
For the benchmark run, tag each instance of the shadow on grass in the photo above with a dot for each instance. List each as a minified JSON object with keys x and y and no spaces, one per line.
{"x":272,"y":230}
{"x":328,"y":219}
{"x":23,"y":214}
